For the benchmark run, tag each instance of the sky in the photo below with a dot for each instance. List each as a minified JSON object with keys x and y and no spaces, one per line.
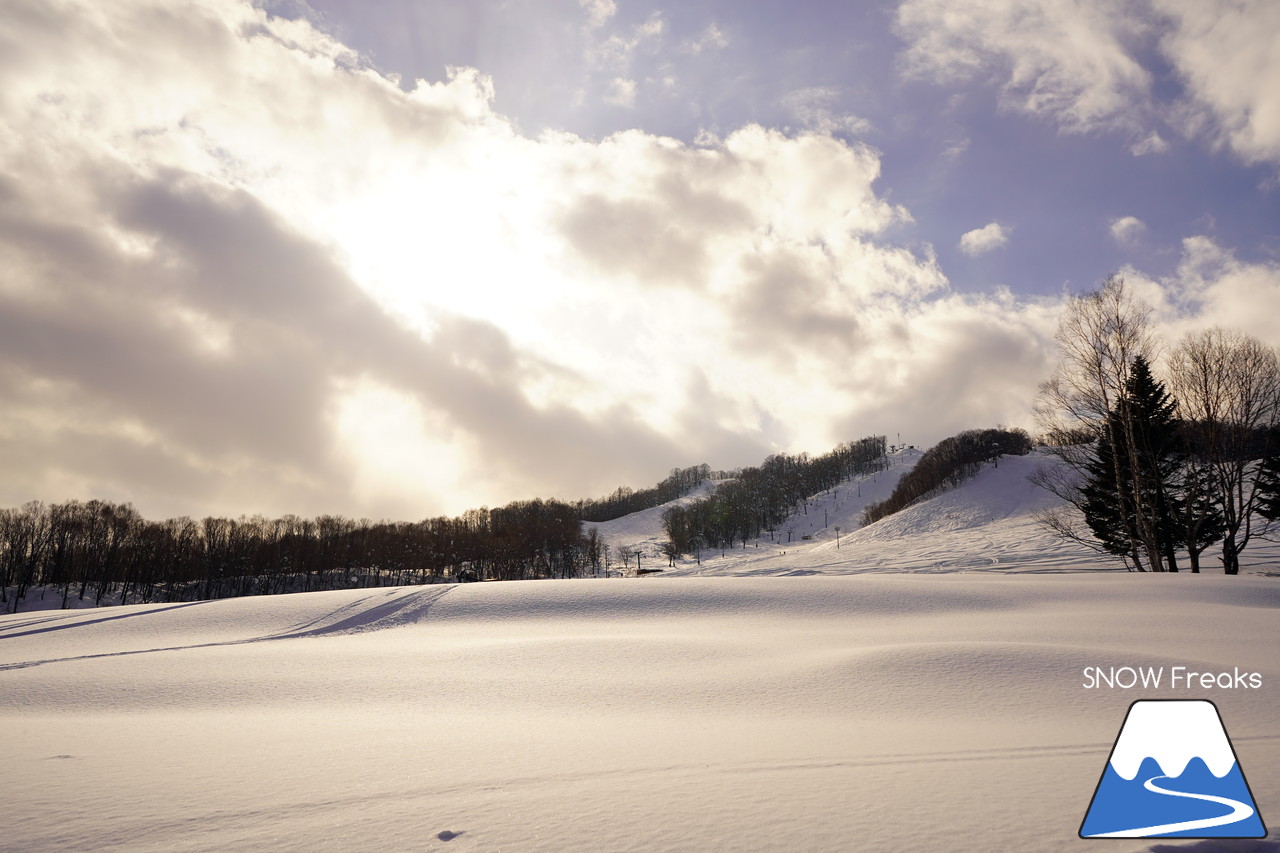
{"x":397,"y":259}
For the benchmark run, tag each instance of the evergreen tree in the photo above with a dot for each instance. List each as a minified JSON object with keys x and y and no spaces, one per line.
{"x":1131,"y":501}
{"x":1268,"y":480}
{"x":1157,"y":441}
{"x":1107,"y":497}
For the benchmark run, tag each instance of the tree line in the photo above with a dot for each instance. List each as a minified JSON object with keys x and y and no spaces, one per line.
{"x":104,"y":551}
{"x":99,"y":550}
{"x":760,"y":499}
{"x":625,"y":500}
{"x":946,"y":465}
{"x":1155,"y":468}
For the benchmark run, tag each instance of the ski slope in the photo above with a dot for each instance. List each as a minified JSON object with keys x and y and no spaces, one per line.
{"x":842,"y":507}
{"x":987,"y":523}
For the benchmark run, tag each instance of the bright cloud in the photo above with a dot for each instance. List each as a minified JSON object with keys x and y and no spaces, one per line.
{"x":981,"y":240}
{"x":813,"y":108}
{"x":1127,"y":229}
{"x":1226,"y":53}
{"x":1067,"y":61}
{"x":612,"y":58}
{"x":1153,"y":143}
{"x":244,"y":272}
{"x":617,"y":52}
{"x":248,"y":274}
{"x":1085,"y":65}
{"x":1212,"y":287}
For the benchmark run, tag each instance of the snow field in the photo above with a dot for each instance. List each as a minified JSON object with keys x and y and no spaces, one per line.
{"x":871,"y":712}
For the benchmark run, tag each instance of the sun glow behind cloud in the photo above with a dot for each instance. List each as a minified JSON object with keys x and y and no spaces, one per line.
{"x":314,"y":289}
{"x":398,"y":454}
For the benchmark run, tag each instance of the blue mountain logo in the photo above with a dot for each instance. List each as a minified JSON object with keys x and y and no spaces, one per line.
{"x":1172,"y":774}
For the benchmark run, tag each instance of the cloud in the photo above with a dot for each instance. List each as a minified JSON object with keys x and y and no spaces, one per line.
{"x":598,"y":11}
{"x":1225,"y":53}
{"x":1127,"y":229}
{"x":981,"y":240}
{"x":1153,"y":143}
{"x":811,"y":107}
{"x":712,"y":38}
{"x":1003,"y":342}
{"x":206,"y":277}
{"x":1067,"y":62}
{"x":955,"y":148}
{"x":612,"y":58}
{"x":249,"y":274}
{"x":617,"y":52}
{"x":1090,"y":65}
{"x":1212,"y":287}
{"x":621,"y":93}
{"x":246,"y":273}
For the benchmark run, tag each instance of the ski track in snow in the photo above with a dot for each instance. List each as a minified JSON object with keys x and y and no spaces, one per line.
{"x":386,"y":608}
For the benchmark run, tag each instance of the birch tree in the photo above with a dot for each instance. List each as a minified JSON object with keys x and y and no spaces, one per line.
{"x":1100,"y":336}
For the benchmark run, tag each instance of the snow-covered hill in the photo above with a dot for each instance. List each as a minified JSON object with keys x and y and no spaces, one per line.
{"x":643,"y":530}
{"x":841,"y":507}
{"x":989,"y":522}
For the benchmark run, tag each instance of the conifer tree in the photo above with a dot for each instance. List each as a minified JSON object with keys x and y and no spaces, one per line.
{"x":1131,"y":500}
{"x":1157,"y":443}
{"x":1268,"y":480}
{"x":1106,"y":498}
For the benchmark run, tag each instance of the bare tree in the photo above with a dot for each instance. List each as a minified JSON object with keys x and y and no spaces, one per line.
{"x":25,"y":540}
{"x":1228,"y":388}
{"x":670,"y":551}
{"x":625,"y":553}
{"x":1100,"y":335}
{"x":593,"y":547}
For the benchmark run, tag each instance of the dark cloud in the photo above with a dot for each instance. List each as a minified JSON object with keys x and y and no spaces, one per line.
{"x":657,"y":233}
{"x":958,"y":363}
{"x":102,"y":323}
{"x":786,"y":308}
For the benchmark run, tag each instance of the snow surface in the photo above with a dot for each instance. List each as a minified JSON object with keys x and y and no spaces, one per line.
{"x":890,"y":700}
